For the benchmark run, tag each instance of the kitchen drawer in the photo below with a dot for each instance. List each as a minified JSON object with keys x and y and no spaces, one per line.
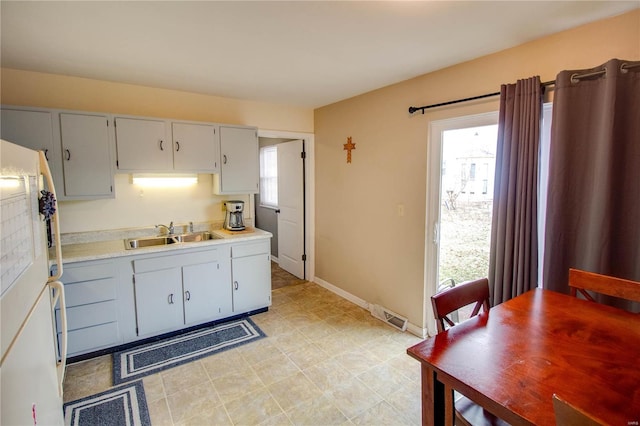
{"x":89,"y":315}
{"x":262,"y":247}
{"x":83,"y":293}
{"x":93,"y":271}
{"x":92,"y":338}
{"x":175,"y":261}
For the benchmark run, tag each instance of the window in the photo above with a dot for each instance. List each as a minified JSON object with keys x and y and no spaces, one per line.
{"x":269,"y":176}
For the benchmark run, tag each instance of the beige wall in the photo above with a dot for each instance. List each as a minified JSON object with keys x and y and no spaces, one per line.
{"x":362,"y":245}
{"x":131,"y":207}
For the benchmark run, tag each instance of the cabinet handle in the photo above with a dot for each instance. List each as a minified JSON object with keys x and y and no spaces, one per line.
{"x":224,"y":159}
{"x":187,"y":295}
{"x":68,"y":154}
{"x":46,"y":154}
{"x":161,"y":147}
{"x":235,"y":284}
{"x":177,"y":146}
{"x":170,"y":299}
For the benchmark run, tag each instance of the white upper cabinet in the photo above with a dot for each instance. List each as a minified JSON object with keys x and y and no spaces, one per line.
{"x":86,"y":157}
{"x":240,"y":161}
{"x":195,"y":147}
{"x":34,"y":130}
{"x":31,"y":129}
{"x":142,"y":145}
{"x":77,"y":145}
{"x":156,"y":145}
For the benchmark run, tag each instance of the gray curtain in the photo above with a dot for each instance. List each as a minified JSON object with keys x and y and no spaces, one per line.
{"x":513,"y":263}
{"x":593,"y":215}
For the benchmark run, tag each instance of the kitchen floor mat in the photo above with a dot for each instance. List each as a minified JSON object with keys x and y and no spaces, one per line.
{"x":123,"y":405}
{"x":151,"y":358}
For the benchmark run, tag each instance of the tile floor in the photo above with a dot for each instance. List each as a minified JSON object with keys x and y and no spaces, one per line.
{"x":325,"y":361}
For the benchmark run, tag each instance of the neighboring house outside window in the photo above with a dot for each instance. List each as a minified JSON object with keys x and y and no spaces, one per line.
{"x":269,"y":176}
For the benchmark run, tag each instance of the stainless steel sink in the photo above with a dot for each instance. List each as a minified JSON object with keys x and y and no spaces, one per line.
{"x":196,"y":236}
{"x":135,"y":243}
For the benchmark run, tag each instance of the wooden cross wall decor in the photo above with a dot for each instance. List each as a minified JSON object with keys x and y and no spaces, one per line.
{"x":348,"y":147}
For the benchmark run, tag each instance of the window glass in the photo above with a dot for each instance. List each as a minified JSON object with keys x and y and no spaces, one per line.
{"x":269,"y":176}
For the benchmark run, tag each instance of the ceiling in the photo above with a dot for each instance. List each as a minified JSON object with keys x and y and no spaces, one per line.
{"x":300,"y":53}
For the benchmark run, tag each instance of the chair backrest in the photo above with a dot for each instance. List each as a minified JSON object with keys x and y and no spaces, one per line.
{"x":581,"y":281}
{"x":456,"y":297}
{"x":569,"y":415}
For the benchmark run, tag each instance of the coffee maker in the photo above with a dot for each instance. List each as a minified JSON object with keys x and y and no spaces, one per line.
{"x":234,"y":219}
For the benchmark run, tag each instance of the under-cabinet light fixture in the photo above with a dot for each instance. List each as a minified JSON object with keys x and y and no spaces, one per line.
{"x":164,"y":180}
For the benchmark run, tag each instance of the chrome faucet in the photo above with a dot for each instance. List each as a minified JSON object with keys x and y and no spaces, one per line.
{"x":169,"y":228}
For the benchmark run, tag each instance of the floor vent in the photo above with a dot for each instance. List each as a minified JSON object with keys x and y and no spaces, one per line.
{"x":389,"y":317}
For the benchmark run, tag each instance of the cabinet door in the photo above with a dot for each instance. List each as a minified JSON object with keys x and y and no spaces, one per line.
{"x":159,"y":304}
{"x":32,"y":129}
{"x":142,"y":145}
{"x":207,"y":296}
{"x":86,"y":155}
{"x":251,"y":282}
{"x":239,"y":155}
{"x":195,"y":147}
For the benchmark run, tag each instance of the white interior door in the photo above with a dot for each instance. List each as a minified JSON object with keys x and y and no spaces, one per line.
{"x":291,"y":208}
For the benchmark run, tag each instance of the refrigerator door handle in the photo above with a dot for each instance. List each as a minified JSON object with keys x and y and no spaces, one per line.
{"x":55,"y":224}
{"x":58,"y":297}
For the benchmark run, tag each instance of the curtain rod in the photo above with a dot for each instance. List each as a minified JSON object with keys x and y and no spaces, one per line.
{"x":413,"y":109}
{"x":574,"y":79}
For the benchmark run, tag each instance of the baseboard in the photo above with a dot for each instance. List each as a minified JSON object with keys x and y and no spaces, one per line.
{"x":340,"y":292}
{"x":411,"y":328}
{"x":275,"y":260}
{"x":417,"y":331}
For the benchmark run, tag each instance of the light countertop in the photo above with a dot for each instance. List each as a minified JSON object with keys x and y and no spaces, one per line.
{"x":106,"y":249}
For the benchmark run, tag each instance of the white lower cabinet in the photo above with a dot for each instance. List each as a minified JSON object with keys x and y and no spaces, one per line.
{"x":121,"y":300}
{"x":172,"y":292}
{"x":205,"y":297}
{"x":251,"y":275}
{"x":158,"y":300}
{"x":91,"y":296}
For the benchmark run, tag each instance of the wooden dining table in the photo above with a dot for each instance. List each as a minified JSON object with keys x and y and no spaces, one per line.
{"x":512,"y":359}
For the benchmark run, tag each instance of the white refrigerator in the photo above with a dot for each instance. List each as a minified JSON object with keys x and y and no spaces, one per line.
{"x":32,"y":360}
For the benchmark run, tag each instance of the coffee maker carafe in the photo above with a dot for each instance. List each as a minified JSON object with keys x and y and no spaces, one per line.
{"x":234,"y":219}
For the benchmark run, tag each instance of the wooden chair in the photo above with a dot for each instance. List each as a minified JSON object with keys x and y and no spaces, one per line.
{"x":581,"y":281}
{"x":447,"y":302}
{"x":569,"y":415}
{"x":454,"y":298}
